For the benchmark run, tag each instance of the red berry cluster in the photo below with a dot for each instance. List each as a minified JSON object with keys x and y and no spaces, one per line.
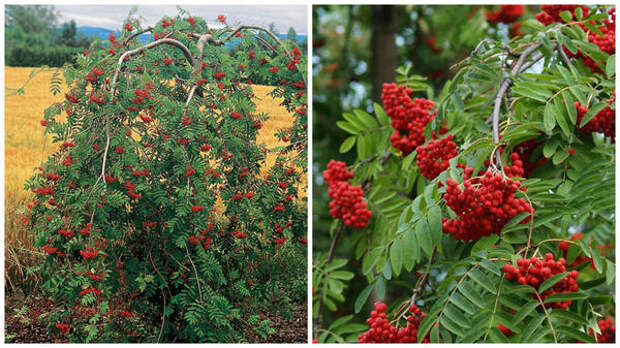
{"x":563,"y":246}
{"x":434,"y":157}
{"x":606,"y":43}
{"x":336,"y":171}
{"x":382,"y":331}
{"x":130,"y":190}
{"x":89,"y":254}
{"x":534,"y":272}
{"x":347,"y":200}
{"x":506,"y":14}
{"x":292,"y":64}
{"x":63,"y":328}
{"x":197,"y":208}
{"x":551,"y":13}
{"x":526,"y":150}
{"x":90,"y":77}
{"x":486,"y":204}
{"x":88,"y":290}
{"x":409,"y":117}
{"x":603,"y":122}
{"x":608,"y":331}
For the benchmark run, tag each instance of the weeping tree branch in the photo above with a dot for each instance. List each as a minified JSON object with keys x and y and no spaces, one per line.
{"x":237,"y":29}
{"x":166,"y":41}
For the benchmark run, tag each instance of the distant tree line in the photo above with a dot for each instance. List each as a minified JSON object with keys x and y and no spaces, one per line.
{"x":33,"y":37}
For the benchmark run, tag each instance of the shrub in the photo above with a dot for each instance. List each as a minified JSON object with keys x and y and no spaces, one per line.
{"x":157,"y":219}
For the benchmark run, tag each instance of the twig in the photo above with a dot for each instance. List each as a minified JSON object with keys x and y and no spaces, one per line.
{"x":370,"y":159}
{"x":563,"y":55}
{"x":555,"y":338}
{"x":163,"y":317}
{"x":502,"y":90}
{"x":525,"y":66}
{"x":107,"y":145}
{"x":15,"y":91}
{"x":418,"y":289}
{"x":160,"y":275}
{"x":499,"y":291}
{"x":195,"y":273}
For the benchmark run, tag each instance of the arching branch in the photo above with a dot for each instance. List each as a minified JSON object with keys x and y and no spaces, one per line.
{"x":256,"y":27}
{"x":166,"y":41}
{"x":136,"y":34}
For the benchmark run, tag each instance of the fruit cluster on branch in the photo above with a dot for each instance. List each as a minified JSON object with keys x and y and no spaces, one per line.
{"x":409,"y":117}
{"x":606,"y":42}
{"x":603,"y":122}
{"x":608,"y":331}
{"x":434,"y":157}
{"x":486,"y":203}
{"x":564,"y":245}
{"x":347,"y":200}
{"x":535,"y":271}
{"x":551,"y":13}
{"x":505,"y":14}
{"x":382,"y":331}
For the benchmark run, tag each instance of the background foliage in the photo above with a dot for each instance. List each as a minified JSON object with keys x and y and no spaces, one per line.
{"x":32,"y":37}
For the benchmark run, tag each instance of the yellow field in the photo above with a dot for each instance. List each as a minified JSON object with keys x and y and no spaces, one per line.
{"x":26,"y":146}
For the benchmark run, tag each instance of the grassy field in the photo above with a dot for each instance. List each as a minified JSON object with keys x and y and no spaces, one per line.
{"x":26,"y":147}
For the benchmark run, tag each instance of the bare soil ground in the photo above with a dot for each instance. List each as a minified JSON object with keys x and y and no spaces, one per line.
{"x":26,"y":326}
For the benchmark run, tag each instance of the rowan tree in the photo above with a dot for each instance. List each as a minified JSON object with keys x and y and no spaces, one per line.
{"x":160,"y":216}
{"x":490,"y":205}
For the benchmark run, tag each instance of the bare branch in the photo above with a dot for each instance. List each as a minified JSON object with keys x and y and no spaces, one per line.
{"x":136,"y":34}
{"x":107,"y":145}
{"x":563,"y":55}
{"x":500,"y":95}
{"x":148,"y":46}
{"x":197,"y":64}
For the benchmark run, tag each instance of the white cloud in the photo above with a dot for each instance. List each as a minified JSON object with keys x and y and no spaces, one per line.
{"x":112,"y":16}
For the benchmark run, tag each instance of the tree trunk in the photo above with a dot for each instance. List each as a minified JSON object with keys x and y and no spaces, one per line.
{"x":383,"y":48}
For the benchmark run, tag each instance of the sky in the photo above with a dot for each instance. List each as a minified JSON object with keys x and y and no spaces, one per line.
{"x":112,"y":16}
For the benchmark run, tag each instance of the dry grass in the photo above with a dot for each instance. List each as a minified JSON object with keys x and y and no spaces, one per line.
{"x":26,"y":147}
